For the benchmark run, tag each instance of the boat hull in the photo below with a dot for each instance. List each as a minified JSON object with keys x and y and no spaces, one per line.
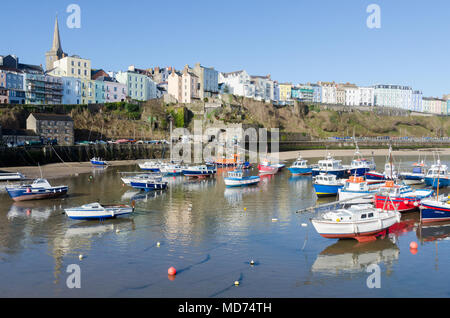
{"x":434,"y":213}
{"x":359,"y":172}
{"x":340,"y":174}
{"x":36,"y":194}
{"x":192,"y":173}
{"x":356,"y":230}
{"x":148,"y":186}
{"x":402,"y":204}
{"x":264,"y":169}
{"x":300,"y":171}
{"x":99,"y":163}
{"x":96,"y":214}
{"x":237,"y":182}
{"x":433,"y":182}
{"x":323,"y":190}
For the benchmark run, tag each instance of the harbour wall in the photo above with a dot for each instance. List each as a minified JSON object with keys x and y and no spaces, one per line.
{"x":31,"y":156}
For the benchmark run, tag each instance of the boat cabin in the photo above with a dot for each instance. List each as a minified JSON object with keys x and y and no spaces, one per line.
{"x":238,"y":174}
{"x":438,"y":169}
{"x":325,"y":179}
{"x":354,"y":213}
{"x":330,"y":164}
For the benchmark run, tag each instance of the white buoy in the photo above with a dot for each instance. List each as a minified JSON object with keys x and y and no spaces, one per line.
{"x":252,"y":262}
{"x":236,"y":283}
{"x":304,"y":224}
{"x":158,"y":244}
{"x":274,"y":220}
{"x":80,"y":256}
{"x":117,"y":231}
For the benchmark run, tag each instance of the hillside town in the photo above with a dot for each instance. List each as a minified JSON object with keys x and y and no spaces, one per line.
{"x":71,"y":79}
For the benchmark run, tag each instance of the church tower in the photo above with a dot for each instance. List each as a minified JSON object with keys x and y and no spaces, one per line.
{"x":56,"y":52}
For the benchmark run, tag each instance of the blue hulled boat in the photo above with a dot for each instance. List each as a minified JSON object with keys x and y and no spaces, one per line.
{"x":435,"y":210}
{"x":148,"y":184}
{"x":417,"y":175}
{"x":236,"y":178}
{"x":39,"y":189}
{"x":300,"y":167}
{"x":359,"y":165}
{"x":437,"y":176}
{"x":199,"y":171}
{"x":327,"y":184}
{"x":330,"y":166}
{"x":98,"y":162}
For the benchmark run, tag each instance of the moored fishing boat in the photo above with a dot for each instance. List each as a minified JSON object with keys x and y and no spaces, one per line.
{"x":145,"y":176}
{"x":39,"y":189}
{"x":236,"y":178}
{"x":171,"y":169}
{"x":330,"y":165}
{"x":98,"y":211}
{"x":153,"y":166}
{"x":300,"y":167}
{"x":98,"y":162}
{"x":327,"y":184}
{"x":199,"y":171}
{"x":389,"y":173}
{"x":359,"y":165}
{"x":416,"y":176}
{"x":403,"y":197}
{"x":356,"y":187}
{"x":265,"y":167}
{"x":361,"y":222}
{"x":148,"y":184}
{"x":437,"y":176}
{"x":435,"y":210}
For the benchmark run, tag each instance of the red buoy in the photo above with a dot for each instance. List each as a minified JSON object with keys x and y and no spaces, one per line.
{"x":413,"y":245}
{"x":172,"y":271}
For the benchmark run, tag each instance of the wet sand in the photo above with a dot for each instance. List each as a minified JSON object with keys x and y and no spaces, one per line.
{"x":58,"y":170}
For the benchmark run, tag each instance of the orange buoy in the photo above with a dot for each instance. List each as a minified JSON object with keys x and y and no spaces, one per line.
{"x":413,"y":251}
{"x":413,"y":245}
{"x":172,"y":271}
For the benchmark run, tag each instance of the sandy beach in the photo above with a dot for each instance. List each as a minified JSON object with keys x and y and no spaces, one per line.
{"x":58,"y":170}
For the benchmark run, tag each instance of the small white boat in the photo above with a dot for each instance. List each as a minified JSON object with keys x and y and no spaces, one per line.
{"x":140,"y":177}
{"x":361,"y":222}
{"x":95,"y":211}
{"x":11,"y":176}
{"x":153,"y":166}
{"x":236,"y":178}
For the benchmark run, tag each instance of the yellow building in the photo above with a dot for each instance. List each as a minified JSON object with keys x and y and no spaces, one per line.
{"x":72,"y":66}
{"x":285,"y":91}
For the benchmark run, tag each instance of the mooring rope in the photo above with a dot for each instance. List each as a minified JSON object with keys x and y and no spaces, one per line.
{"x":59,"y":156}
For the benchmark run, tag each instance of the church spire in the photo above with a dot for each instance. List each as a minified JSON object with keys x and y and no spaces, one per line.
{"x":56,"y":47}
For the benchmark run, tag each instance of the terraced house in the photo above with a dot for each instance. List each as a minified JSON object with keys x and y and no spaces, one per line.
{"x":52,"y":127}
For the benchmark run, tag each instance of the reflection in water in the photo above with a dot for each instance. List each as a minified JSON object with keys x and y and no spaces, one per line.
{"x":433,"y":232}
{"x":352,"y":256}
{"x":235,"y":196}
{"x":33,"y":210}
{"x":300,"y":185}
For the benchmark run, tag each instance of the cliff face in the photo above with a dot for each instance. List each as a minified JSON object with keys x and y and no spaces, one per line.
{"x":150,"y":120}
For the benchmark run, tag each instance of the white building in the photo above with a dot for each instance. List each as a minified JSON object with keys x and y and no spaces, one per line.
{"x":328,"y":92}
{"x":366,"y":96}
{"x":237,"y":83}
{"x":395,"y":96}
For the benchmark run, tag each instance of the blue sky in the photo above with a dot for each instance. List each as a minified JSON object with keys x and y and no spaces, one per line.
{"x":295,"y":41}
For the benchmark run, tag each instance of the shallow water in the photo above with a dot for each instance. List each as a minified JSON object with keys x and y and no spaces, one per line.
{"x":210,"y":234}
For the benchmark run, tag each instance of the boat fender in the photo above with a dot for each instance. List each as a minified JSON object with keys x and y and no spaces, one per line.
{"x":416,"y":204}
{"x":405,"y":202}
{"x":28,"y":190}
{"x":338,"y":220}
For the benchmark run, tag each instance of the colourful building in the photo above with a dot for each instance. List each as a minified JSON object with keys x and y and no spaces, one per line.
{"x":285,"y":91}
{"x":139,"y":86}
